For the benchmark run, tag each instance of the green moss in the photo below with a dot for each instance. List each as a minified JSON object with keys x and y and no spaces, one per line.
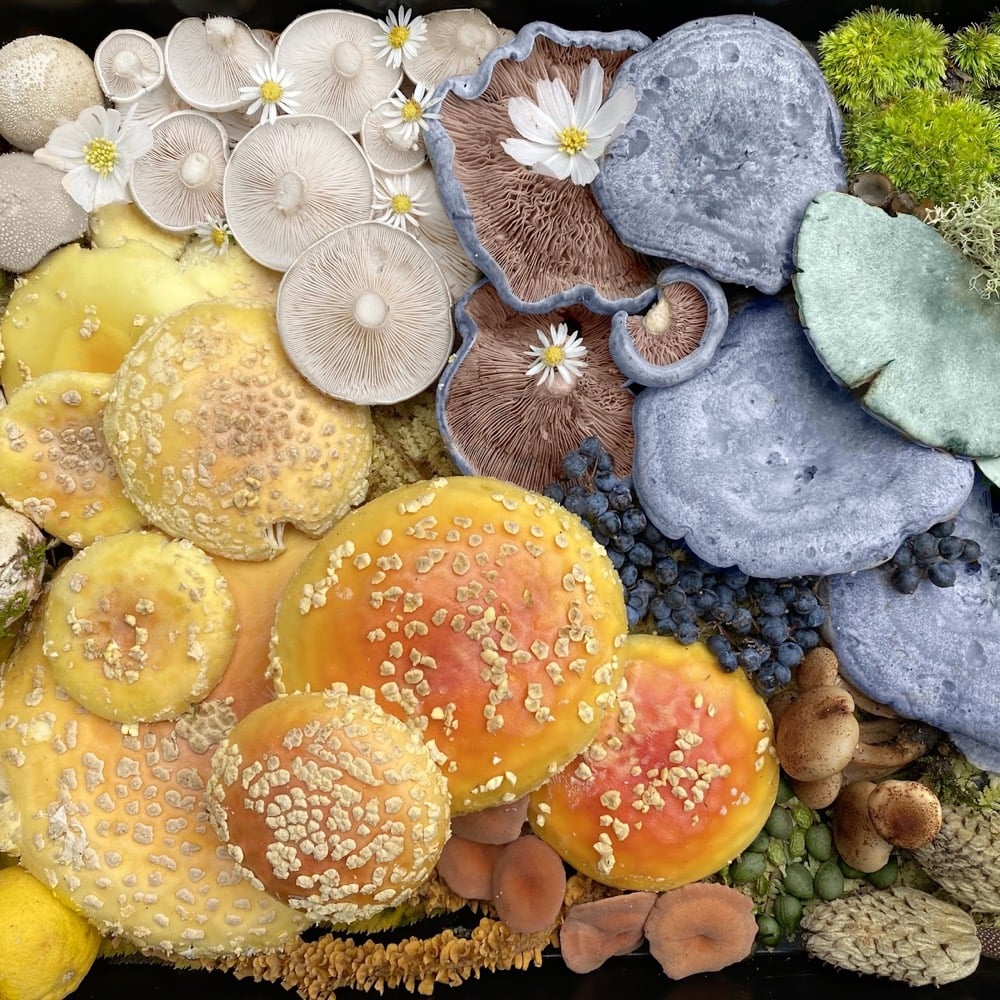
{"x":971,"y":227}
{"x":976,"y":51}
{"x":957,"y":782}
{"x":932,"y":144}
{"x":876,"y":55}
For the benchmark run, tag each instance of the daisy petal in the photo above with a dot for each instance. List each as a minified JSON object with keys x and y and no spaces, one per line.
{"x":525,"y":152}
{"x":588,"y":97}
{"x":582,"y":169}
{"x":553,"y":98}
{"x":530,"y":120}
{"x":81,"y":185}
{"x":613,"y":115}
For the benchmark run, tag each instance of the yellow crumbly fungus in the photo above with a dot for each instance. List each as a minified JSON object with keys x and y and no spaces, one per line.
{"x":111,"y":225}
{"x":232,"y":274}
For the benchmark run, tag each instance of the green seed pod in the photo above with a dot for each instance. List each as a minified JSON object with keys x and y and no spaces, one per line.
{"x":787,"y":911}
{"x":829,"y":881}
{"x":803,"y":816}
{"x":819,"y":842}
{"x":747,"y":867}
{"x":776,"y":853}
{"x":798,"y":881}
{"x":760,"y":842}
{"x":784,"y":790}
{"x":886,"y":875}
{"x":780,"y":823}
{"x":848,"y":871}
{"x":797,"y":844}
{"x":762,"y":886}
{"x":769,"y":931}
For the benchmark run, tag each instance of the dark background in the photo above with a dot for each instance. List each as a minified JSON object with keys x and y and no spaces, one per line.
{"x":766,"y":977}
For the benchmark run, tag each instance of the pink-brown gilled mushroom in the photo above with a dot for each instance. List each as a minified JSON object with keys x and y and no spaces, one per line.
{"x":499,"y":824}
{"x":529,"y":884}
{"x":128,"y":63}
{"x":466,"y":867}
{"x":600,"y":929}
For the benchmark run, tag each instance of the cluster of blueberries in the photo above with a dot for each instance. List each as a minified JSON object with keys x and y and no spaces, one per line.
{"x":937,"y":555}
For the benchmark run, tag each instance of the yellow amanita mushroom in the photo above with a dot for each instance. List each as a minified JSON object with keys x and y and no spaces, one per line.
{"x":678,"y":781}
{"x":483,"y":613}
{"x":139,"y":627}
{"x":218,"y":439}
{"x":55,"y":466}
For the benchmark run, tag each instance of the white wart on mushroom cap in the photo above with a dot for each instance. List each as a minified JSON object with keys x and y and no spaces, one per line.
{"x":292,"y":181}
{"x":128,"y":63}
{"x":455,"y":44}
{"x":178,"y":183}
{"x":336,"y":67}
{"x":209,"y":60}
{"x":364,"y":315}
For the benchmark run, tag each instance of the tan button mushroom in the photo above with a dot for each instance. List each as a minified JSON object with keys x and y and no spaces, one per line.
{"x":819,"y":668}
{"x":856,"y":838}
{"x":44,"y":81}
{"x":209,"y":60}
{"x":365,"y":315}
{"x":455,"y":44}
{"x":818,"y":733}
{"x":290,"y":182}
{"x":906,"y":813}
{"x":36,"y":213}
{"x":139,"y":627}
{"x":178,"y":183}
{"x":217,"y":439}
{"x":330,"y":803}
{"x":335,"y":65}
{"x":820,"y":793}
{"x":128,"y":63}
{"x":55,"y":466}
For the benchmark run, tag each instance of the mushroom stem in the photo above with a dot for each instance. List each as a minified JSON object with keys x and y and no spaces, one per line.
{"x":290,"y":192}
{"x":370,"y":310}
{"x":347,"y":59}
{"x":129,"y":66}
{"x":220,"y":31}
{"x":195,"y":170}
{"x":657,"y":320}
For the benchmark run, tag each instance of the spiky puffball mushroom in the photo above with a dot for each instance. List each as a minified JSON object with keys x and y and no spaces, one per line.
{"x":217,"y":438}
{"x":128,"y":63}
{"x":483,"y":613}
{"x":365,"y":314}
{"x":36,"y":213}
{"x":209,"y":60}
{"x":44,"y":80}
{"x":178,"y":182}
{"x":906,"y":813}
{"x":454,"y":45}
{"x":529,"y":883}
{"x":329,"y":803}
{"x":522,"y":429}
{"x":55,"y":466}
{"x":593,"y":932}
{"x":678,"y":781}
{"x":138,"y":627}
{"x":857,"y":840}
{"x":700,"y":927}
{"x":22,"y":567}
{"x":331,"y":55}
{"x":291,"y":182}
{"x":81,"y":309}
{"x":818,"y":733}
{"x":113,"y":820}
{"x":900,"y":933}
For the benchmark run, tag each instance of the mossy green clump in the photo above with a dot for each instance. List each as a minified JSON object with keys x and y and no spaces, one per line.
{"x":971,"y":227}
{"x":931,"y":143}
{"x":876,"y":55}
{"x":957,"y":782}
{"x":975,"y":50}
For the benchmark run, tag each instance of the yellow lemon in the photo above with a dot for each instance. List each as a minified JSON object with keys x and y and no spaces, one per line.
{"x":45,"y":947}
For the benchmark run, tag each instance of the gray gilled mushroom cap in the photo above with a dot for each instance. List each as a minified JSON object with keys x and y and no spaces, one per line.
{"x":178,"y":183}
{"x":364,"y":315}
{"x":455,"y":44}
{"x":292,"y":181}
{"x":209,"y":60}
{"x":336,"y":68}
{"x":128,"y":63}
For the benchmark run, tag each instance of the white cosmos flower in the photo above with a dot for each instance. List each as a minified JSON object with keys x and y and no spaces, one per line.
{"x":401,"y":36}
{"x":400,"y":201}
{"x":214,"y":236}
{"x":563,"y":138}
{"x":270,"y":92}
{"x":408,"y":116}
{"x":558,"y":352}
{"x":97,"y":152}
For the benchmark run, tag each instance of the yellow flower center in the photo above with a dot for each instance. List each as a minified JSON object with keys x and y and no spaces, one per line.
{"x":401,"y":203}
{"x":219,"y":236}
{"x":101,"y":155}
{"x":553,"y":355}
{"x":411,"y":111}
{"x":398,"y":36}
{"x":271,"y":91}
{"x":571,"y":139}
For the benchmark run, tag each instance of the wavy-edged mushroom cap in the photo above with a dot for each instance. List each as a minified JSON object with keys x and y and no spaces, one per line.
{"x":455,"y":44}
{"x":113,"y":820}
{"x":209,"y":60}
{"x":483,"y":613}
{"x":329,"y":803}
{"x":599,"y":929}
{"x":55,"y":465}
{"x":678,"y":781}
{"x":290,"y":182}
{"x":138,"y":626}
{"x":365,"y":314}
{"x":335,"y":65}
{"x":178,"y":182}
{"x":128,"y":63}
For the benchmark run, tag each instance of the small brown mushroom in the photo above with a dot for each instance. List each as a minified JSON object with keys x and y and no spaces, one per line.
{"x":466,"y":867}
{"x":596,"y":931}
{"x":906,"y":813}
{"x":820,"y":793}
{"x":819,"y":668}
{"x":886,"y":745}
{"x":529,"y":884}
{"x":857,"y":840}
{"x":818,"y":733}
{"x":497,"y":825}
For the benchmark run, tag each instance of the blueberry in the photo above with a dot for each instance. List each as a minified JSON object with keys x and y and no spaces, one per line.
{"x":687,"y":633}
{"x":925,"y":546}
{"x":684,"y":614}
{"x":729,"y":661}
{"x":574,"y":465}
{"x":815,"y":618}
{"x":605,"y":481}
{"x":943,"y":529}
{"x":735,"y":577}
{"x":675,"y":598}
{"x":782,"y":674}
{"x":665,"y":626}
{"x":641,"y":554}
{"x":632,"y":616}
{"x":750,"y":659}
{"x":665,"y":570}
{"x":659,"y":608}
{"x":597,"y":504}
{"x":617,"y":558}
{"x":633,"y":521}
{"x":619,"y":499}
{"x":576,"y":504}
{"x":903,"y":556}
{"x":759,"y":587}
{"x":941,"y":574}
{"x":725,"y":593}
{"x":906,"y":580}
{"x":689,"y":580}
{"x":609,"y":523}
{"x":590,"y":447}
{"x":723,"y":612}
{"x":622,"y":542}
{"x":950,"y":547}
{"x":789,"y":655}
{"x":605,"y":463}
{"x":971,"y":551}
{"x":718,"y":644}
{"x":704,"y":600}
{"x":554,"y":492}
{"x":773,"y":630}
{"x":804,"y":603}
{"x":742,"y":622}
{"x":629,"y":574}
{"x":807,"y":638}
{"x":772,"y":604}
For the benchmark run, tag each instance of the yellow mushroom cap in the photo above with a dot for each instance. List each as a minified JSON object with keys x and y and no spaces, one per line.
{"x":481,"y":612}
{"x":139,"y":627}
{"x":55,"y":466}
{"x":218,"y":439}
{"x":330,"y":803}
{"x":678,"y":781}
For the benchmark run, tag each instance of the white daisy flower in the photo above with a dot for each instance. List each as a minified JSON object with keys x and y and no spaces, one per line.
{"x":214,"y":236}
{"x":400,"y":201}
{"x":270,"y":93}
{"x":558,"y":352}
{"x":563,"y":138}
{"x":402,"y":36}
{"x":97,"y":152}
{"x":408,"y":116}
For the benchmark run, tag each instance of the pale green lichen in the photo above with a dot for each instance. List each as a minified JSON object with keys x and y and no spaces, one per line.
{"x":971,"y":227}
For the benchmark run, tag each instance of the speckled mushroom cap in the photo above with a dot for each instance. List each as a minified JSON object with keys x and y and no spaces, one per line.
{"x":55,"y":466}
{"x":114,"y":820}
{"x":329,"y":803}
{"x":217,"y":438}
{"x":484,"y":614}
{"x":138,"y":626}
{"x":679,"y":780}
